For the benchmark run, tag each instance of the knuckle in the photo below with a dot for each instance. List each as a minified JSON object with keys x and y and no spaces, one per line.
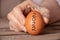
{"x":8,"y":16}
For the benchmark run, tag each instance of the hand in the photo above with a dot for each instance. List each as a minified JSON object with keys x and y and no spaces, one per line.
{"x":16,"y":16}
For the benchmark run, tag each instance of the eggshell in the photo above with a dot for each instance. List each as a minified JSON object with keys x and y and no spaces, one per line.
{"x":34,"y":23}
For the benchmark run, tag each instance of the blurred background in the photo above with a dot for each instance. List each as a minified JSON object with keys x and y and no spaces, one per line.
{"x":5,"y":7}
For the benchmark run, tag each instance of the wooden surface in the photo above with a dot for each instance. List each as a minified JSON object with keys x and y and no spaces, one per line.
{"x":49,"y":33}
{"x":29,"y":37}
{"x":24,"y":36}
{"x":6,"y":34}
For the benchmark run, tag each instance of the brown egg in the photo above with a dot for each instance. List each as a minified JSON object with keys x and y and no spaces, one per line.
{"x":34,"y":23}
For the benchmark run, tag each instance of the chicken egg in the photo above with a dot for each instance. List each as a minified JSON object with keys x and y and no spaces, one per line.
{"x":34,"y":23}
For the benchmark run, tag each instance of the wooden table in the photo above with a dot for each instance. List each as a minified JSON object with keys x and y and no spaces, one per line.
{"x":6,"y":34}
{"x":49,"y":33}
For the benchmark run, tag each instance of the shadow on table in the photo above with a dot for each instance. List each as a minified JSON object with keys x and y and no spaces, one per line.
{"x":51,"y":29}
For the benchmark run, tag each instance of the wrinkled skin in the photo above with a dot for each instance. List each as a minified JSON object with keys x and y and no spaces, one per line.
{"x":17,"y":19}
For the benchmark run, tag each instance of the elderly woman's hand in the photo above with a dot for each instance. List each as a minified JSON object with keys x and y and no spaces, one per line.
{"x":17,"y":16}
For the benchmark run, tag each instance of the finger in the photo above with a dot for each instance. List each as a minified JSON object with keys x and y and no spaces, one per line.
{"x":13,"y":27}
{"x":19,"y":15}
{"x":22,"y":7}
{"x":45,"y":14}
{"x":17,"y":23}
{"x":14,"y":21}
{"x":10,"y":26}
{"x":8,"y":15}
